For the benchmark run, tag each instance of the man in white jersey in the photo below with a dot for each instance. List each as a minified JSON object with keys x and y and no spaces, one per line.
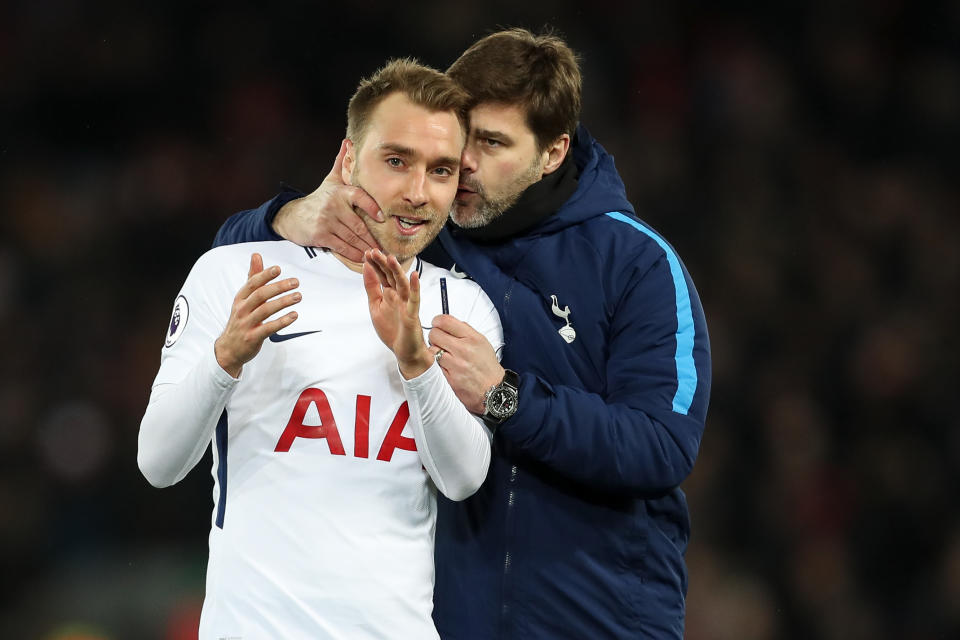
{"x":330,"y":437}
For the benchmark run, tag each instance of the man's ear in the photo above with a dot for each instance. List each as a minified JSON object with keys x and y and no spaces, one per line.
{"x":346,"y":169}
{"x":554,"y":154}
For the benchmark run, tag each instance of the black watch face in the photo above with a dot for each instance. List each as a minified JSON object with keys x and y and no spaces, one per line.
{"x":502,"y":403}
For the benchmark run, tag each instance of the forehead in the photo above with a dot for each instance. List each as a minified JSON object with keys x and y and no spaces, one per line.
{"x":510,"y":119}
{"x":398,"y":121}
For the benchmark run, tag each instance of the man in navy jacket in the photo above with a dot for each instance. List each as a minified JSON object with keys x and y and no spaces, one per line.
{"x":580,"y":528}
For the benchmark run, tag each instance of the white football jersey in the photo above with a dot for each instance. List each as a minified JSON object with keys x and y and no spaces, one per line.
{"x":324,"y":510}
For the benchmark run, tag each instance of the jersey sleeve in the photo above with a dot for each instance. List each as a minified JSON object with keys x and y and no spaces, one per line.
{"x":191,"y":389}
{"x":454,"y":445}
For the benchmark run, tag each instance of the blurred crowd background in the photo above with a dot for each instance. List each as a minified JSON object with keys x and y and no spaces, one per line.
{"x":800,"y":156}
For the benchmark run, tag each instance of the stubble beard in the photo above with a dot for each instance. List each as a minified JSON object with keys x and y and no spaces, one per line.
{"x":489,"y":208}
{"x":402,"y":247}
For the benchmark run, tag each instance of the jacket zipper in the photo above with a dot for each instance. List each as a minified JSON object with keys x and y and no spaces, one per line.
{"x":504,"y":603}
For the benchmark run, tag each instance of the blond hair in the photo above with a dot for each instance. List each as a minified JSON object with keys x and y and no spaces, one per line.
{"x":422,"y":85}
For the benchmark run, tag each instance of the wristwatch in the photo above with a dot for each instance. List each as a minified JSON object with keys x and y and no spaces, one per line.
{"x":500,"y":401}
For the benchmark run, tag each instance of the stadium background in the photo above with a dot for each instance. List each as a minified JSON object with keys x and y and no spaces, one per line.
{"x":801,"y":158}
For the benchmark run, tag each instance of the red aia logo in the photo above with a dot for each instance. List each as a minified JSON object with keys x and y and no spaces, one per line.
{"x":328,"y":427}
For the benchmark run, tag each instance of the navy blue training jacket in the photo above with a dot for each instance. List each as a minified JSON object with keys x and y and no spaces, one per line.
{"x":580,"y":528}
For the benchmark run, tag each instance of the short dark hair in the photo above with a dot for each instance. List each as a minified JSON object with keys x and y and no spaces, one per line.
{"x":539,"y":72}
{"x":422,"y":85}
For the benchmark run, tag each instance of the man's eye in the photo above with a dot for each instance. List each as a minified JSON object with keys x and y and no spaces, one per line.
{"x":443,"y":171}
{"x":490,"y":142}
{"x":395,"y":162}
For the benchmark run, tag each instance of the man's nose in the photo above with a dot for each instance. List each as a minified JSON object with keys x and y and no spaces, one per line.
{"x":468,"y":161}
{"x":416,"y":192}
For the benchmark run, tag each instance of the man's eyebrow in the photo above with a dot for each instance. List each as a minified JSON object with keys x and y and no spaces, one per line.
{"x":489,"y":133}
{"x":448,"y":160}
{"x":398,"y":148}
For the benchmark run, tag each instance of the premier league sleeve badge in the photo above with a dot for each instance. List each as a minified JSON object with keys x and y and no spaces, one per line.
{"x":178,"y":321}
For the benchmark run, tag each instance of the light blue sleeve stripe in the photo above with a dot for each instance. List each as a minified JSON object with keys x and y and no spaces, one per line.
{"x":686,"y":368}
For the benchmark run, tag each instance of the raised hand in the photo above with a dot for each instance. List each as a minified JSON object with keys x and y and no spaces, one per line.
{"x":255,"y":302}
{"x":394,"y":303}
{"x":470,"y":363}
{"x":328,"y":217}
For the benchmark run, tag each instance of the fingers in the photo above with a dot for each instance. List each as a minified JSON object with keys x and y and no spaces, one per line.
{"x":385,"y":281}
{"x":271,"y":306}
{"x":256,"y":301}
{"x":360,"y":199}
{"x":401,"y":283}
{"x":442,"y":340}
{"x":390,"y":273}
{"x":348,"y":232}
{"x":371,"y":282}
{"x":340,"y":247}
{"x":354,"y":232}
{"x":256,"y":265}
{"x":269,"y":328}
{"x":264,"y":292}
{"x":413,"y":302}
{"x":433,"y":353}
{"x":451,"y":334}
{"x":382,"y":274}
{"x":454,"y":327}
{"x":387,"y":275}
{"x":257,"y":279}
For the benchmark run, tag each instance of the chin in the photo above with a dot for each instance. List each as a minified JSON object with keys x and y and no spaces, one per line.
{"x":403,"y":250}
{"x":465,"y":216}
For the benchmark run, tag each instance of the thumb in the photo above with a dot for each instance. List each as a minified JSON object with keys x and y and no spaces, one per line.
{"x":335,"y":173}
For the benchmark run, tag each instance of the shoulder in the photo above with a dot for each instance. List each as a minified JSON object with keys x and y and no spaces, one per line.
{"x":272,"y":252}
{"x":430,"y":275}
{"x":621,"y":239}
{"x":628,"y":227}
{"x":443,"y":291}
{"x":612,"y":254}
{"x":648,"y":265}
{"x":221,"y":271}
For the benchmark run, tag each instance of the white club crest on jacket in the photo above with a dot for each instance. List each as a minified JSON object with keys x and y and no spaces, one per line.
{"x":567,"y":333}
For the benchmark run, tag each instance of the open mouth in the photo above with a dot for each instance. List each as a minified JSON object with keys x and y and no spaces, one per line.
{"x":409,"y":223}
{"x":409,"y":226}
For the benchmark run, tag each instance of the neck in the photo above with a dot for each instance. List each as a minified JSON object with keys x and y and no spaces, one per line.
{"x":358,"y":266}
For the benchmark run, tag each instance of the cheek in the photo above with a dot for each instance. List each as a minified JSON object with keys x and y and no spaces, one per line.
{"x":501,"y":175}
{"x":443,"y":194}
{"x":380,"y":184}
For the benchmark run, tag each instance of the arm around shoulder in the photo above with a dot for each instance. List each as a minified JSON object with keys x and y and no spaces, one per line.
{"x":253,"y":225}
